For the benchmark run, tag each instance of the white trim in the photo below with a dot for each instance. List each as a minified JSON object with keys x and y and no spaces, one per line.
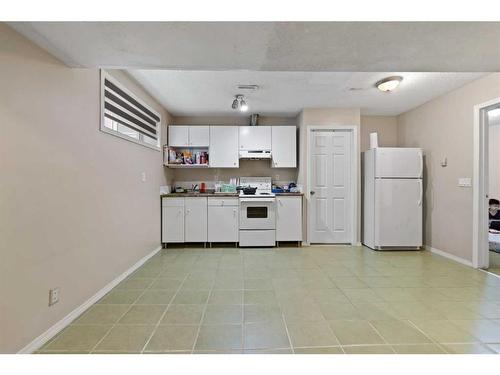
{"x":444,"y":254}
{"x":480,"y":257}
{"x":490,"y":273}
{"x":64,"y":322}
{"x":355,"y":173}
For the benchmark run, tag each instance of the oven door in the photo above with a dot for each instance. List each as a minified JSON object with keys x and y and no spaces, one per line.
{"x":257,"y":213}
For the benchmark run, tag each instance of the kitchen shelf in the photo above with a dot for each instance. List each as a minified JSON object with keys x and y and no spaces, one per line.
{"x":187,"y":166}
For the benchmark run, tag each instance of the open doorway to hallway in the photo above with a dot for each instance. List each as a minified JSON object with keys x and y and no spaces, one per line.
{"x":493,"y":121}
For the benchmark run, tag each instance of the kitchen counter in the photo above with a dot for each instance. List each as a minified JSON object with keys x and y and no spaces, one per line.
{"x":209,"y":194}
{"x":194,"y":194}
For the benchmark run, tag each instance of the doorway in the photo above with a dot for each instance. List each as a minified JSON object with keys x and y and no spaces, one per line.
{"x":332,"y":185}
{"x":486,"y":219}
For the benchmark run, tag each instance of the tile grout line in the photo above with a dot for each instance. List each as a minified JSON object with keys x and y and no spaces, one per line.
{"x":243,"y":313}
{"x":381,"y":336}
{"x":121,"y":316}
{"x":163,"y":314}
{"x":287,"y":333}
{"x":203,"y":315}
{"x":426,"y":335}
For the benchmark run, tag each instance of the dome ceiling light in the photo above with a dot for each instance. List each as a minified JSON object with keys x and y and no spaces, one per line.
{"x":389,"y":84}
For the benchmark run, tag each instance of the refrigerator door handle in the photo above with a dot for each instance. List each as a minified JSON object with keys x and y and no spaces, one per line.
{"x":420,"y":185}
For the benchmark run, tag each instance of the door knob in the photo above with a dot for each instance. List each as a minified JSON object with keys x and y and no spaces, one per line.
{"x":313,"y":192}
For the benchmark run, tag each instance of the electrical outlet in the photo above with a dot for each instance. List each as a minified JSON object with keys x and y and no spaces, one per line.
{"x":143,"y":176}
{"x":53,"y":296}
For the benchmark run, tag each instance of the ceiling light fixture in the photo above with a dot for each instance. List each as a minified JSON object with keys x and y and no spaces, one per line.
{"x":389,"y":84}
{"x":240,"y":103}
{"x":235,"y":104}
{"x":243,"y":105}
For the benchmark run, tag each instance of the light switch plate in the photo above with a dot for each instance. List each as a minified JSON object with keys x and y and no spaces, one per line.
{"x":53,"y":296}
{"x":464,"y":182}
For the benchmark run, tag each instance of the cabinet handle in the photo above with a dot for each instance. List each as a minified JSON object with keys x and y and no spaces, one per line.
{"x":234,"y":163}
{"x":188,"y":211}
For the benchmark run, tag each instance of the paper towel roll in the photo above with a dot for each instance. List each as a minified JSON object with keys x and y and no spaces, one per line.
{"x":373,"y":140}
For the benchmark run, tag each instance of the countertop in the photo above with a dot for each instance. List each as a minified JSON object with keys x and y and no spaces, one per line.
{"x":193,"y":194}
{"x":235,"y":195}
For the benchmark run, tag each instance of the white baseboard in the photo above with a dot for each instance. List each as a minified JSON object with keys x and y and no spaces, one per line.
{"x":64,"y":322}
{"x":449,"y":256}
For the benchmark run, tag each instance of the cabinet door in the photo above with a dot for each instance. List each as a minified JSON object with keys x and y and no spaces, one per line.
{"x":198,"y":136}
{"x":255,"y":137}
{"x":284,"y":147}
{"x":178,"y":136}
{"x":288,"y":218}
{"x":223,"y":147}
{"x":223,"y":223}
{"x":173,"y":223}
{"x":195,"y":223}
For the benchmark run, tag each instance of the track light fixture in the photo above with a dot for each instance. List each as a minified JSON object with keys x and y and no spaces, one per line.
{"x":239,"y":103}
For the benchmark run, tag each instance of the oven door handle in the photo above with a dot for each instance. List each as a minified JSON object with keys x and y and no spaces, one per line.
{"x":257,"y":200}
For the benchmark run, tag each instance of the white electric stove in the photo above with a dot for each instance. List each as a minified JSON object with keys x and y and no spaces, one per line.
{"x":257,"y":213}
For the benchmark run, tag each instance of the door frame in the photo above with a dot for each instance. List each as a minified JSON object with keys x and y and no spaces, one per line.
{"x":480,"y":246}
{"x":355,"y":170}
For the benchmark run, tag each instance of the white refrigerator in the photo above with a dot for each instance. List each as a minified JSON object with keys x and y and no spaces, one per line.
{"x":393,"y":198}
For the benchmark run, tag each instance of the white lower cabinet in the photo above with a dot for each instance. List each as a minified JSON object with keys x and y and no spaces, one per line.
{"x":289,"y":218}
{"x":223,"y":219}
{"x":172,"y":220}
{"x":195,"y":219}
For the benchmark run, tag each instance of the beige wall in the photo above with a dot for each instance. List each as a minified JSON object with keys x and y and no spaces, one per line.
{"x":494,"y":161}
{"x":443,"y":127}
{"x":385,"y":126}
{"x":323,"y":117}
{"x":247,"y":167}
{"x":74,"y":213}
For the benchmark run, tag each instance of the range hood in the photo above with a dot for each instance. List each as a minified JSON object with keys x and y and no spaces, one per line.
{"x":255,"y":154}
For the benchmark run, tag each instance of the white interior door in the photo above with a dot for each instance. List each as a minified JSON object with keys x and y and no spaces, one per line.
{"x":331,"y":202}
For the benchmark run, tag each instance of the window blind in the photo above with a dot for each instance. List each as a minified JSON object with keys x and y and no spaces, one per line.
{"x":123,"y":108}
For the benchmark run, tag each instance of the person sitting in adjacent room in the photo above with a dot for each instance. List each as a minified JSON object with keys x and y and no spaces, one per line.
{"x":494,"y":214}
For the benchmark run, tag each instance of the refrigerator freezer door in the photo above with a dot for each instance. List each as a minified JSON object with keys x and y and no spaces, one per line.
{"x":398,"y":213}
{"x":398,"y":162}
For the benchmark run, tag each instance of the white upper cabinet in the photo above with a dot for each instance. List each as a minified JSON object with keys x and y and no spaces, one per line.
{"x":188,"y":136}
{"x":224,"y":147}
{"x":284,"y":147}
{"x":199,"y":136}
{"x":255,"y":137}
{"x":178,"y":136}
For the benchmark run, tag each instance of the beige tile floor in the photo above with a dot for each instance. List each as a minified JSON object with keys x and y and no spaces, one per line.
{"x":494,"y":262}
{"x":320,"y":299}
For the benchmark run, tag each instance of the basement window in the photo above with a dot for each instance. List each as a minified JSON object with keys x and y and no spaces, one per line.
{"x":123,"y":114}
